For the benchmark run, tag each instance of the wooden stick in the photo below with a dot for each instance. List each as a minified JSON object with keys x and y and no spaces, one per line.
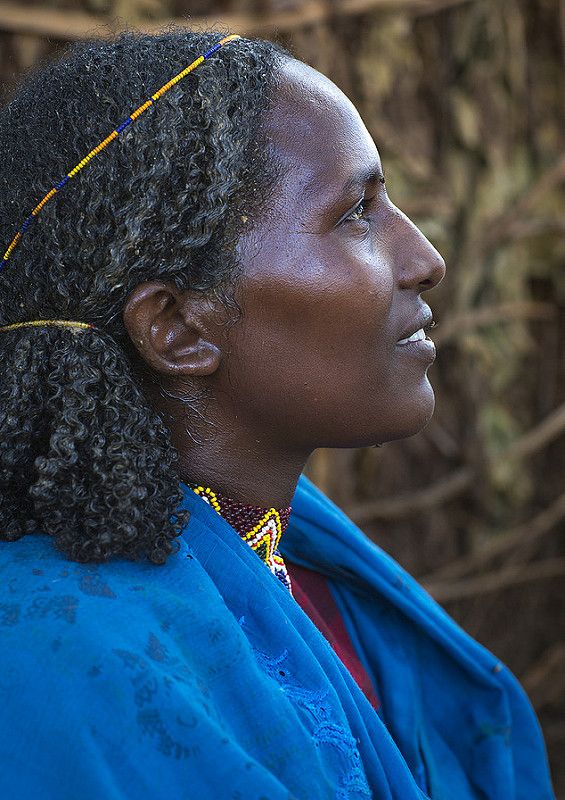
{"x":409,"y":503}
{"x":536,"y":439}
{"x":529,"y":532}
{"x":502,"y":227}
{"x":76,"y":25}
{"x":497,"y":581}
{"x":562,"y":26}
{"x":539,"y":681}
{"x":455,"y":326}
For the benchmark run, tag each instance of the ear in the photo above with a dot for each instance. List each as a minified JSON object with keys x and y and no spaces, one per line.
{"x":172,"y":329}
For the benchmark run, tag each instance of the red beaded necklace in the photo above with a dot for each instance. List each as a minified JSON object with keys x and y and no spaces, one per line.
{"x":260,"y":527}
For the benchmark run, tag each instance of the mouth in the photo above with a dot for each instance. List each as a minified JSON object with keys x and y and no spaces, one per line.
{"x":419,"y":330}
{"x":417,"y":336}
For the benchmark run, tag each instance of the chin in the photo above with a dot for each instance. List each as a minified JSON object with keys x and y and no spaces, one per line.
{"x":418,"y":416}
{"x":410,"y":417}
{"x":390,"y":417}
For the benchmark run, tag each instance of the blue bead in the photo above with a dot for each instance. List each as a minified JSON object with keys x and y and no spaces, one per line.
{"x":124,"y":125}
{"x":118,"y":130}
{"x":212,"y":50}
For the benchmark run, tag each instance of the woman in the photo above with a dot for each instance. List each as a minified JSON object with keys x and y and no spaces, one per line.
{"x":215,"y":295}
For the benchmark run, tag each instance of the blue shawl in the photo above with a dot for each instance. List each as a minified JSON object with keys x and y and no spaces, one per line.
{"x":203,"y":679}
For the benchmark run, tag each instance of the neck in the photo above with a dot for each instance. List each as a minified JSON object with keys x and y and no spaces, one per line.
{"x":257,"y":476}
{"x":247,"y":465}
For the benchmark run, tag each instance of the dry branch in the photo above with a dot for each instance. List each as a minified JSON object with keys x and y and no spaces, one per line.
{"x":497,"y":581}
{"x":76,"y":25}
{"x":536,"y":439}
{"x":404,"y":505}
{"x":508,"y":225}
{"x":545,"y":679}
{"x":498,"y":545}
{"x":492,"y":315}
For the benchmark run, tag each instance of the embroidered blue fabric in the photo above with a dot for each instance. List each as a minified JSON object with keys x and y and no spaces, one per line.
{"x":203,"y":679}
{"x":325,"y":730}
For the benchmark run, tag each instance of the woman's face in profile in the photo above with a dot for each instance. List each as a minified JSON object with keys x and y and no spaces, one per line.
{"x":329,"y":287}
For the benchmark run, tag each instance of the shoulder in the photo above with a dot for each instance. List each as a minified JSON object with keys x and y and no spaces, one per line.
{"x":104,"y":670}
{"x":100,"y":626}
{"x":51,"y":600}
{"x":39,"y":584}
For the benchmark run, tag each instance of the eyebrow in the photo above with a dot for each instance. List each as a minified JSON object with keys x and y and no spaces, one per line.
{"x":371,"y":174}
{"x":366,"y":175}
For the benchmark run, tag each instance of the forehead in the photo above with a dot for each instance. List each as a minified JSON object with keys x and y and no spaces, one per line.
{"x":316,"y":131}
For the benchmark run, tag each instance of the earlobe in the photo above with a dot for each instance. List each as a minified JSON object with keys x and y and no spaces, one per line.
{"x":196,"y":357}
{"x":172,"y":329}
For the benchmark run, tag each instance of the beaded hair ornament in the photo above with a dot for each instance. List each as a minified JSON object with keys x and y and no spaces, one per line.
{"x":81,"y":164}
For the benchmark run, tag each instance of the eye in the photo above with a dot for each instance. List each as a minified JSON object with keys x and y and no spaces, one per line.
{"x":357,"y":214}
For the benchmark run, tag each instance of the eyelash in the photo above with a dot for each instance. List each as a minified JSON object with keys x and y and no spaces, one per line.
{"x":364,"y":203}
{"x":361,"y":205}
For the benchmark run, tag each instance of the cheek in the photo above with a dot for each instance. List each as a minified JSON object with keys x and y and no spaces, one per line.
{"x":316,"y":342}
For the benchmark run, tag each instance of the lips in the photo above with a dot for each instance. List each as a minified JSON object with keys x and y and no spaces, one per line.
{"x":418,"y":336}
{"x":415,"y":330}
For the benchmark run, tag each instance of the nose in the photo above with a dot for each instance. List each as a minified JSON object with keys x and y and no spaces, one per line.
{"x":420,"y":265}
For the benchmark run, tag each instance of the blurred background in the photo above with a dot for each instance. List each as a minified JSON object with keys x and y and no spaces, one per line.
{"x":466,"y":102}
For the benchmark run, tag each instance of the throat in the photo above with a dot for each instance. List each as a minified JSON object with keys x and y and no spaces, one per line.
{"x":261,"y":528}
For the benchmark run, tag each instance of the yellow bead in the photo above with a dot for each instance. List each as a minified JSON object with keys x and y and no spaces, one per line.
{"x":172,"y":82}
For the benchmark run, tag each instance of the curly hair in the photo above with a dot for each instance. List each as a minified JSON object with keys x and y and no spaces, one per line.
{"x":84,"y":456}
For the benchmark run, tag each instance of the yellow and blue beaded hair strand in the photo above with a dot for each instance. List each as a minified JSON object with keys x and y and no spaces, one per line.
{"x":105,"y":142}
